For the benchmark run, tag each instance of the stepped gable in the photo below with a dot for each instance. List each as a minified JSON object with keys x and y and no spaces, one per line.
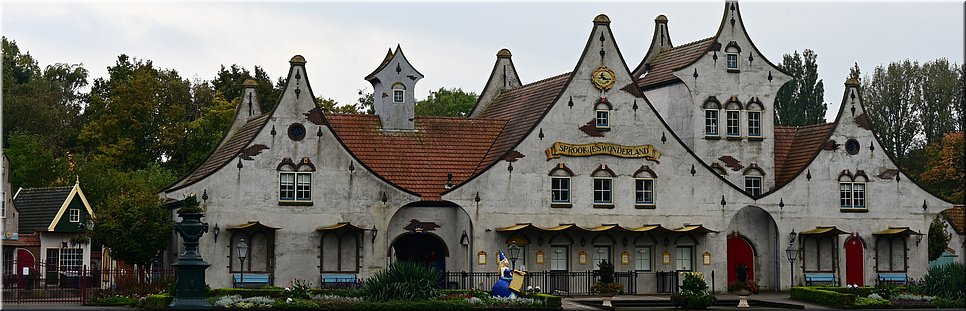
{"x":523,"y":107}
{"x":39,"y":206}
{"x":421,"y":160}
{"x":226,"y":151}
{"x":661,"y":70}
{"x":795,"y":146}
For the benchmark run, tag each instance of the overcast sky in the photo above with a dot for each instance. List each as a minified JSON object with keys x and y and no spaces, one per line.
{"x":454,"y":43}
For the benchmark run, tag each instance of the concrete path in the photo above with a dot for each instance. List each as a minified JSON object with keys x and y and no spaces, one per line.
{"x":60,"y":306}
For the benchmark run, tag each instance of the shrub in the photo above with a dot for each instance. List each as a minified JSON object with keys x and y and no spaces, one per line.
{"x":273,"y":292}
{"x":403,"y":281}
{"x":606,"y":284}
{"x":694,"y":293}
{"x":236,"y":301}
{"x":115,"y":300}
{"x":947,"y":281}
{"x":946,"y":303}
{"x":156,"y":302}
{"x":298,"y":290}
{"x":822,"y":296}
{"x":871,"y":302}
{"x":858,"y":291}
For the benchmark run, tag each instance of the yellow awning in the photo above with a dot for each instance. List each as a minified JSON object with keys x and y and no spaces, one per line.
{"x":341,"y":225}
{"x":694,"y":228}
{"x":823,"y":230}
{"x":561,"y":227}
{"x":647,"y":228}
{"x":605,"y":228}
{"x":897,"y":230}
{"x":251,"y":225}
{"x":516,"y":227}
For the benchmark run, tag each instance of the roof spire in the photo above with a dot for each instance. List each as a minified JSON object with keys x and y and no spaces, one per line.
{"x":503,"y":78}
{"x":660,"y":42}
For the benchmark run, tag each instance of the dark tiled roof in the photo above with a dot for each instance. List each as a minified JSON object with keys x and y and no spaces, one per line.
{"x":420,"y":160}
{"x":795,"y":146}
{"x":523,"y":107}
{"x":227,"y":152}
{"x":662,"y":67}
{"x":957,"y":217}
{"x":39,"y":206}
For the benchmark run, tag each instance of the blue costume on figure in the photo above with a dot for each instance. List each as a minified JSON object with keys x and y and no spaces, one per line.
{"x":502,"y":286}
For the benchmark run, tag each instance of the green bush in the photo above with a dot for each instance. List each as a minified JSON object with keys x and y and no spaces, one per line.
{"x":273,"y":292}
{"x":860,"y":292}
{"x":410,"y":305}
{"x":344,"y":292}
{"x":946,"y":303}
{"x":403,"y":281}
{"x":115,"y":300}
{"x":947,"y":281}
{"x":863,"y":302}
{"x":156,"y":302}
{"x":549,"y":301}
{"x":694,"y":293}
{"x":822,"y":296}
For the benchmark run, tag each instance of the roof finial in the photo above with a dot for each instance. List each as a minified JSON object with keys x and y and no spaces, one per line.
{"x":77,"y":179}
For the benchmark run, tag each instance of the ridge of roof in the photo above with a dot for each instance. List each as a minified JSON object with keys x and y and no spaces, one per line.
{"x":39,"y":206}
{"x":661,"y":71}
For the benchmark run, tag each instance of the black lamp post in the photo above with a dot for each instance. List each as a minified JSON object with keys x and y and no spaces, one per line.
{"x":514,"y":251}
{"x":791,"y":252}
{"x":242,"y":249}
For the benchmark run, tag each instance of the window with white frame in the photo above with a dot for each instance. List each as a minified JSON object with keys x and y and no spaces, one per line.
{"x":642,"y":258}
{"x":558,"y":258}
{"x":753,"y":185}
{"x":754,"y":123}
{"x":603,"y":190}
{"x":295,"y":186}
{"x":732,"y":51}
{"x":732,"y":61}
{"x":398,"y":93}
{"x":71,"y":259}
{"x":601,"y":253}
{"x":560,"y":178}
{"x":711,"y":122}
{"x":603,"y":119}
{"x":734,"y":127}
{"x":852,"y":193}
{"x":644,"y":186}
{"x":74,"y":215}
{"x":684,"y":259}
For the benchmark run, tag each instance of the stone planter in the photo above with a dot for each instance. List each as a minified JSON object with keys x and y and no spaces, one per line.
{"x":607,"y":297}
{"x":743,"y":298}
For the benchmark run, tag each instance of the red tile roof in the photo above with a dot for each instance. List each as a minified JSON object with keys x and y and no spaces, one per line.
{"x":225,"y":153}
{"x":957,"y":217}
{"x":662,"y":67}
{"x":420,"y":160}
{"x":795,"y":146}
{"x":523,"y":107}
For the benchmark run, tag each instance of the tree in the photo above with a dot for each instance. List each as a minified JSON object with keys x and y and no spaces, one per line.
{"x":946,"y":170}
{"x":446,"y":102}
{"x":938,"y":237}
{"x":801,"y":101}
{"x":206,"y":131}
{"x":329,"y":105}
{"x":941,"y":93}
{"x":366,"y":102}
{"x":229,"y":83}
{"x":855,"y":72}
{"x":34,"y":164}
{"x":892,"y":98}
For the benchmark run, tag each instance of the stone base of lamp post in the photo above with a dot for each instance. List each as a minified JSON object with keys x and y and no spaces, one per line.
{"x":190,"y":267}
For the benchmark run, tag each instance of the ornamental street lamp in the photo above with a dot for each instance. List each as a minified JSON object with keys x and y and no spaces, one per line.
{"x":514,"y":251}
{"x":791,"y":252}
{"x":242,"y":249}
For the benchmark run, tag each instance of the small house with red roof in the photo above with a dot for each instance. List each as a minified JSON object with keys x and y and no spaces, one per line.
{"x":674,"y":166}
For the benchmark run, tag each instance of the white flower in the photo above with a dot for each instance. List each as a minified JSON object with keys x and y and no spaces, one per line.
{"x":289,"y":300}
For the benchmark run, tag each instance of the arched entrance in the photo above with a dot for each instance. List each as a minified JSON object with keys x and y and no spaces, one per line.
{"x":753,"y":241}
{"x":422,"y":248}
{"x":854,"y":270}
{"x":740,"y":252}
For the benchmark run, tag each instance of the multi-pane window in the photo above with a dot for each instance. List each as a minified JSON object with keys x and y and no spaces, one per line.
{"x":644,"y":191}
{"x":754,"y":123}
{"x":852,"y":194}
{"x":398,"y":93}
{"x":71,"y":259}
{"x":560,"y":189}
{"x":642,"y":258}
{"x":601,"y":253}
{"x":711,"y":122}
{"x":74,"y":215}
{"x":603,"y":191}
{"x":753,"y":185}
{"x":733,"y":125}
{"x":295,"y":186}
{"x":732,"y":61}
{"x":558,"y":258}
{"x":683,"y":260}
{"x":53,"y":261}
{"x":603,"y":119}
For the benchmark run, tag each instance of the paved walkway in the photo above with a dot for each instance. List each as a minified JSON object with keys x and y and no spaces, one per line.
{"x":60,"y":306}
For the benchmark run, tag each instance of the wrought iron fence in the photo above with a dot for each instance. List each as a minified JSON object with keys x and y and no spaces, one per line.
{"x":50,"y":283}
{"x":566,"y":283}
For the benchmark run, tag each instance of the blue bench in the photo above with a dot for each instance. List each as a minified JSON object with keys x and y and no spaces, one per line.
{"x":251,"y":280}
{"x":339,"y":280}
{"x":893,"y":278}
{"x":825,"y":278}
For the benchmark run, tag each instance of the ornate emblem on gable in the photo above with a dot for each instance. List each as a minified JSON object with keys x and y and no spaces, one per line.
{"x":417,"y":226}
{"x":603,"y":78}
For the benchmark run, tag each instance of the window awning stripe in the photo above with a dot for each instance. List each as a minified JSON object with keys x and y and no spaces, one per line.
{"x":823,"y":230}
{"x":897,"y":231}
{"x":251,"y":225}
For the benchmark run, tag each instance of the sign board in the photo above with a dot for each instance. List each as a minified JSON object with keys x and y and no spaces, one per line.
{"x":585,"y":150}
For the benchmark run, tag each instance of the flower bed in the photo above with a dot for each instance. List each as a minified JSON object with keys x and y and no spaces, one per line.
{"x":353,"y":300}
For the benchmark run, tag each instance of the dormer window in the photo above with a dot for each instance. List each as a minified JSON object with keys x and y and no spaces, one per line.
{"x":602,"y":115}
{"x":74,"y":215}
{"x":398,"y":93}
{"x":732,"y":51}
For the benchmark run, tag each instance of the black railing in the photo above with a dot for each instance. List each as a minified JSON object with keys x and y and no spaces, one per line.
{"x":43,"y":283}
{"x":667,"y":282}
{"x":566,"y":283}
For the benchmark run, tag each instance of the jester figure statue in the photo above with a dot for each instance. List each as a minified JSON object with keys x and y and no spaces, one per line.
{"x":503,"y":286}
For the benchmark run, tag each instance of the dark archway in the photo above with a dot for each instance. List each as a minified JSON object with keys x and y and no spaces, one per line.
{"x":422,"y":248}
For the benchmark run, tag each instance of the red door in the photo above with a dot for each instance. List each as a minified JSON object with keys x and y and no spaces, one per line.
{"x":24,"y":260}
{"x":854,"y":273}
{"x":740,"y":252}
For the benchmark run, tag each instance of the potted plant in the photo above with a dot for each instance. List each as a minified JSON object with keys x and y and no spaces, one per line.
{"x":742,"y":286}
{"x":606,"y":287}
{"x":694,"y":293}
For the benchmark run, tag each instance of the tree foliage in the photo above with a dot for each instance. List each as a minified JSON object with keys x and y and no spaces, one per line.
{"x":228,"y":81}
{"x":946,"y":170}
{"x":801,"y":101}
{"x":938,"y":237}
{"x":446,"y":103}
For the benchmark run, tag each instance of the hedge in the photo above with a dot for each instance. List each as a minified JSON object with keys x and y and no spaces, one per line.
{"x":822,"y":296}
{"x":861,"y":291}
{"x":157,"y":302}
{"x":277,"y":292}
